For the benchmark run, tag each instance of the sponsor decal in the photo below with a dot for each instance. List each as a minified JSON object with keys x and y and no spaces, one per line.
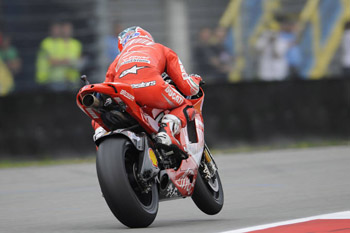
{"x":143,"y":84}
{"x":186,"y":77}
{"x":129,"y":55}
{"x":132,"y":70}
{"x":141,"y":41}
{"x":153,"y":157}
{"x":184,"y":182}
{"x":136,"y":59}
{"x":174,"y":95}
{"x":171,"y":191}
{"x":127,"y":95}
{"x":183,"y":71}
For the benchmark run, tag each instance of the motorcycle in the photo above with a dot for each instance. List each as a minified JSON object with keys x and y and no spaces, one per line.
{"x":133,"y":172}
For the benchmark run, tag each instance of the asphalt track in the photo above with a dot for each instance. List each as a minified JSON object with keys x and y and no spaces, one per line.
{"x":260,"y":188}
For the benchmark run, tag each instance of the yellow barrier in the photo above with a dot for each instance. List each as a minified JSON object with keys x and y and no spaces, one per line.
{"x":322,"y":54}
{"x":267,"y":20}
{"x":325,"y":54}
{"x":232,"y":17}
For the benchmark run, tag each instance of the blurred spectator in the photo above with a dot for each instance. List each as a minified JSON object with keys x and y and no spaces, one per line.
{"x":72,"y":54}
{"x":229,"y":42}
{"x":293,"y":53}
{"x":112,"y":43}
{"x":213,"y":58}
{"x":273,"y":63}
{"x":6,"y":79}
{"x":222,"y":57}
{"x":59,"y":58}
{"x":48,"y":56}
{"x":9,"y":55}
{"x":204,"y":55}
{"x":346,"y":49}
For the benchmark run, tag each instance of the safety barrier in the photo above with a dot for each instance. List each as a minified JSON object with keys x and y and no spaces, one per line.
{"x":265,"y":112}
{"x":48,"y":124}
{"x":247,"y":19}
{"x":42,"y":125}
{"x":320,"y":26}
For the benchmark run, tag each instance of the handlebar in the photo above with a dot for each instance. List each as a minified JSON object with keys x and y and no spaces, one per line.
{"x":84,"y":79}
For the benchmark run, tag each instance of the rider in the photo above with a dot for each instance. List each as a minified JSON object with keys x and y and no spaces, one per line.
{"x":141,"y":62}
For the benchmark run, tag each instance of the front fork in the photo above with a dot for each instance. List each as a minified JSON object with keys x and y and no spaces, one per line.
{"x":208,"y":164}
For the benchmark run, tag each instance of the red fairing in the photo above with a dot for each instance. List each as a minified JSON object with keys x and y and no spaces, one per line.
{"x":185,"y":177}
{"x":120,"y":91}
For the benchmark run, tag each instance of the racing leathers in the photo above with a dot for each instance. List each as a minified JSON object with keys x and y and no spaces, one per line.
{"x":141,"y":64}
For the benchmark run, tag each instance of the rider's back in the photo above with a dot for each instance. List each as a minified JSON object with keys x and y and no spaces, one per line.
{"x":141,"y":53}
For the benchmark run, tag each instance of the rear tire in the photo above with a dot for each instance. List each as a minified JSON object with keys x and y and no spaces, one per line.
{"x":116,"y":162}
{"x":208,"y":195}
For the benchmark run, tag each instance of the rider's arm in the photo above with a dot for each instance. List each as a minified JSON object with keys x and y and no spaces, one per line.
{"x":187,"y":84}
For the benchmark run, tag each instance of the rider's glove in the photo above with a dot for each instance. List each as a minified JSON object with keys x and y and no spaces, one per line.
{"x":196,"y":78}
{"x":99,"y":132}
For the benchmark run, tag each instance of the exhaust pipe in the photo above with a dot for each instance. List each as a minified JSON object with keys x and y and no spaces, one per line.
{"x":167,"y":189}
{"x":90,"y":100}
{"x":164,"y":181}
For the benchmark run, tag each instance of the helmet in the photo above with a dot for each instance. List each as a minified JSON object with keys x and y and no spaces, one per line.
{"x":130,"y":33}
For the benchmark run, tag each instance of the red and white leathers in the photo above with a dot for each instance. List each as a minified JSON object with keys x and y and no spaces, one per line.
{"x":141,"y":63}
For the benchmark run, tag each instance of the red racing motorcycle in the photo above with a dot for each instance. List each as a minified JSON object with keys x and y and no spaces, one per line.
{"x":134,"y":174}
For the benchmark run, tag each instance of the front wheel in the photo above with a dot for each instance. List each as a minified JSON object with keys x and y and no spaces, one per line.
{"x":116,"y":163}
{"x":208,"y":194}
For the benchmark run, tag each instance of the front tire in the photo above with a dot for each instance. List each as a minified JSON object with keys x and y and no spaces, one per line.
{"x":208,"y":195}
{"x":116,"y":162}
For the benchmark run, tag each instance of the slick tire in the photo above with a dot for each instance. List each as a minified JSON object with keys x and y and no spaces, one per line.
{"x":116,"y":161}
{"x":208,"y":199}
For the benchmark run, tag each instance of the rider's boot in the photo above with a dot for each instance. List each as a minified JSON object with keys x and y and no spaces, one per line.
{"x":165,"y":138}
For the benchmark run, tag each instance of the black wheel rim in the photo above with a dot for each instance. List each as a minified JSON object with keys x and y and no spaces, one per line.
{"x":213,"y":185}
{"x":215,"y":192}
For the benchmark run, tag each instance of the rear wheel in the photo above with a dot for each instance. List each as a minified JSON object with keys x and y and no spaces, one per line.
{"x":116,"y":165}
{"x":208,"y":194}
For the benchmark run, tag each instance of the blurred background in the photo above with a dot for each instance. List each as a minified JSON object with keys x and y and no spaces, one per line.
{"x":277,"y":71}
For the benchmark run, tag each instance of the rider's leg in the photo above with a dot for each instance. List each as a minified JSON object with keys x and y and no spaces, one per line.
{"x":163,"y":96}
{"x":169,"y":128}
{"x":171,"y":125}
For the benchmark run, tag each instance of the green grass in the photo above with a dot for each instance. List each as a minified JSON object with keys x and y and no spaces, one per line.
{"x":280,"y":146}
{"x":9,"y":163}
{"x":47,"y":161}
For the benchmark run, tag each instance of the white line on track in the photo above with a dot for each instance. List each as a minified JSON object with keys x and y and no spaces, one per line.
{"x":338,"y":215}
